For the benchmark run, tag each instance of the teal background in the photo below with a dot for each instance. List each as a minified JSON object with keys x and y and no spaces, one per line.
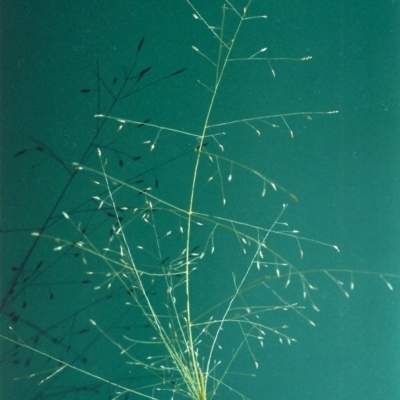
{"x":343,"y":168}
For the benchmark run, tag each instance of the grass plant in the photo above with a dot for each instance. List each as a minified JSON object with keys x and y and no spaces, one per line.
{"x":183,"y":261}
